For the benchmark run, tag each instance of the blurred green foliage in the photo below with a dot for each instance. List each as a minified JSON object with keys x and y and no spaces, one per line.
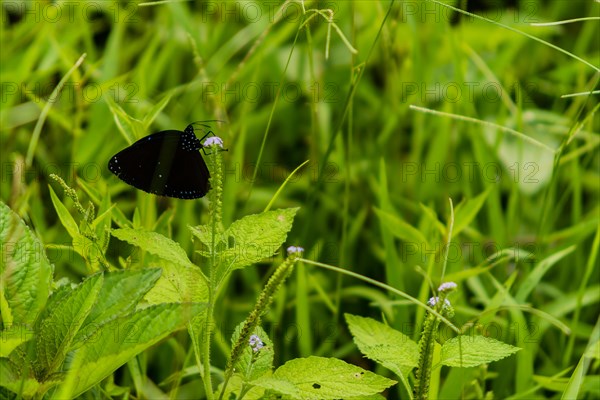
{"x":252,"y":65}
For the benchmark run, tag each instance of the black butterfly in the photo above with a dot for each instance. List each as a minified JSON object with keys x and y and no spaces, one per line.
{"x":166,"y":163}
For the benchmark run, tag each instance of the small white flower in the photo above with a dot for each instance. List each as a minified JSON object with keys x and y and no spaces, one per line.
{"x":253,"y":339}
{"x":258,"y":346}
{"x":255,"y":343}
{"x":434,"y":300}
{"x":213,"y":140}
{"x":447,"y":287}
{"x":295,"y":249}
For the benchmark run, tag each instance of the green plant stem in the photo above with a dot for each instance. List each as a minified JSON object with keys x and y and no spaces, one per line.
{"x":386,"y":287}
{"x":264,"y":300}
{"x":215,"y":222}
{"x":426,"y":344}
{"x":206,"y":345}
{"x":37,"y":130}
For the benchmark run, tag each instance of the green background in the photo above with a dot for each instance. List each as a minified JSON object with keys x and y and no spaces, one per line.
{"x":292,"y":92}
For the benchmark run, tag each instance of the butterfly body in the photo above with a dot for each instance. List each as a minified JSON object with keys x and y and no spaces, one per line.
{"x":166,"y":163}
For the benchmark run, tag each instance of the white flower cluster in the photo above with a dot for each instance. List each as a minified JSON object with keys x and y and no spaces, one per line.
{"x":295,"y":250}
{"x":213,"y":140}
{"x":434,"y":300}
{"x":255,"y":343}
{"x":447,"y":287}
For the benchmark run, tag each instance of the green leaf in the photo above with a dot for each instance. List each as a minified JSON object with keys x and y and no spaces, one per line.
{"x":101,"y":225}
{"x":529,"y":166}
{"x":258,"y":236}
{"x":119,"y":295}
{"x":65,"y":217}
{"x":576,"y":384}
{"x":263,"y":362}
{"x":235,"y":385}
{"x":253,"y":238}
{"x":593,"y":351}
{"x":467,"y":210}
{"x":329,"y":378}
{"x":126,"y":125}
{"x":430,"y":215}
{"x":14,"y":336}
{"x":179,"y":284}
{"x":10,"y":378}
{"x":539,"y":271}
{"x":155,"y":110}
{"x":122,"y":338}
{"x":383,"y":344}
{"x":472,"y":351}
{"x":154,"y":243}
{"x":56,"y":298}
{"x":25,"y":272}
{"x":203,"y":233}
{"x":88,"y":250}
{"x":58,"y":329}
{"x":399,"y":228}
{"x":282,"y":386}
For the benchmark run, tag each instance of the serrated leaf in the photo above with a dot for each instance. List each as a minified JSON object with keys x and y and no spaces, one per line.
{"x":383,"y":344}
{"x":256,"y":237}
{"x":88,"y":250}
{"x":203,"y":233}
{"x":235,"y":386}
{"x":467,"y":210}
{"x":282,"y":386}
{"x":64,"y":215}
{"x":57,"y":331}
{"x":399,"y":228}
{"x":11,"y":378}
{"x":269,"y":228}
{"x":472,"y":351}
{"x":330,"y":378}
{"x":263,"y":362}
{"x":119,"y":295}
{"x":179,"y":284}
{"x":25,"y":272}
{"x":154,"y":243}
{"x":122,"y":338}
{"x":252,"y":238}
{"x":14,"y":336}
{"x":55,"y":299}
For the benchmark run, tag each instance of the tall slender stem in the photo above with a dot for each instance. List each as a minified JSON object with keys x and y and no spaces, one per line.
{"x":215,"y":223}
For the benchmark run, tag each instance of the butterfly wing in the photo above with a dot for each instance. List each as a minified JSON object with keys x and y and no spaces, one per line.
{"x":188,"y":178}
{"x":167,"y":163}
